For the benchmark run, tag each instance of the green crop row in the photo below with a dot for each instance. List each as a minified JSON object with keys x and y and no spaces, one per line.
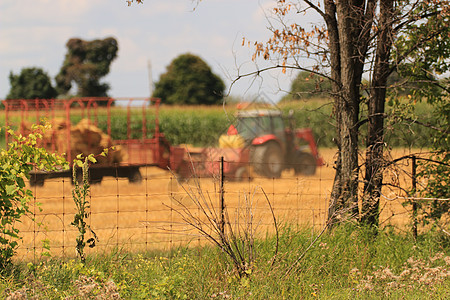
{"x":202,"y":126}
{"x":405,"y":133}
{"x":194,"y":126}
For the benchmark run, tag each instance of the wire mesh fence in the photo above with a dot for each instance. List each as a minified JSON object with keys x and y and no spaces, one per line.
{"x":150,"y":214}
{"x":147,"y":215}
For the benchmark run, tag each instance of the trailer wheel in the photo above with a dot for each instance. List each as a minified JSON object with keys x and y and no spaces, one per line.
{"x":267,"y":160}
{"x":36,"y":180}
{"x":305,"y":164}
{"x":96,"y":180}
{"x":135,"y":176}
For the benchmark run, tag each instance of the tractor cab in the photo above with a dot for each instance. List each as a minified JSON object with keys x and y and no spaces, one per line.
{"x":257,"y":126}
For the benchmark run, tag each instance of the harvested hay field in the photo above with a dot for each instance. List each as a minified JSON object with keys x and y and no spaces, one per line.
{"x":146,"y":215}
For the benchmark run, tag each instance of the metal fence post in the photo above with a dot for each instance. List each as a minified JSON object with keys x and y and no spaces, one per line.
{"x":222,"y":200}
{"x":414,"y":203}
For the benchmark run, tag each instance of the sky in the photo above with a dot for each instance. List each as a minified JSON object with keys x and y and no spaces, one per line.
{"x":33,"y":33}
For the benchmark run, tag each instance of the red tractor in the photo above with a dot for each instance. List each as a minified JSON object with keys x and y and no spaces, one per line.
{"x":261,"y":140}
{"x":273,"y":146}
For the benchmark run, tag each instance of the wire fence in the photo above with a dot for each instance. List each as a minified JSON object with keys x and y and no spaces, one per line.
{"x":146,"y":216}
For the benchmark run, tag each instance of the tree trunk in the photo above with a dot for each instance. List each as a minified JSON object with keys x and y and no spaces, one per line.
{"x":344,"y":196}
{"x":373,"y":179}
{"x":336,"y":205}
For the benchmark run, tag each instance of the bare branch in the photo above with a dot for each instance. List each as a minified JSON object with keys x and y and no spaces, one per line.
{"x":317,"y":9}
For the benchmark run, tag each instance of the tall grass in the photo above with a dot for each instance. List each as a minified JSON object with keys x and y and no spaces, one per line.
{"x":349,"y":262}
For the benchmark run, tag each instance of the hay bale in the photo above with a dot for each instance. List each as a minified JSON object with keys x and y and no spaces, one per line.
{"x":118,"y":154}
{"x":85,"y":138}
{"x":56,"y":138}
{"x":25,"y":127}
{"x":86,"y":133}
{"x":58,"y":124}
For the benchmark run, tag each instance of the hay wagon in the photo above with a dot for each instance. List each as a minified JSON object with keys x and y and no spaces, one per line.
{"x":85,"y":126}
{"x":129,"y":128}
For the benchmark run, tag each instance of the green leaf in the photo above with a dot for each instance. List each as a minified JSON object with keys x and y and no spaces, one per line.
{"x":79,"y":163}
{"x":11,"y":189}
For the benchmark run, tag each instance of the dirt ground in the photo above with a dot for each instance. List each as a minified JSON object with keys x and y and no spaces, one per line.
{"x":147,"y":215}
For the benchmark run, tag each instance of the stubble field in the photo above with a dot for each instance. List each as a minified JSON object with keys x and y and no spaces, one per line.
{"x":147,"y":215}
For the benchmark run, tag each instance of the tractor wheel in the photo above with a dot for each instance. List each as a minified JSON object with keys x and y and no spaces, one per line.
{"x":305,"y":164}
{"x":267,"y":160}
{"x":242,"y":174}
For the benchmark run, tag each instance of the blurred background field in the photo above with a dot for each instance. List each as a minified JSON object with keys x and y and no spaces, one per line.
{"x":144,"y":216}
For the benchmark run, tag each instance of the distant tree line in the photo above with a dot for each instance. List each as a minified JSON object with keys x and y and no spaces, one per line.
{"x":188,"y":79}
{"x":85,"y":64}
{"x":307,"y":85}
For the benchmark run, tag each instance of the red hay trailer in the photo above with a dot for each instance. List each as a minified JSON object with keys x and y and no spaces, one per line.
{"x":140,"y":148}
{"x":259,"y":143}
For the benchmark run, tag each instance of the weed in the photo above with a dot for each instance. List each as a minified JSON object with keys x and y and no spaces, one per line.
{"x":80,"y":195}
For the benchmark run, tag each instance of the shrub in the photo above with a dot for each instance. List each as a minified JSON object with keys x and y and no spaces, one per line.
{"x":21,"y":157}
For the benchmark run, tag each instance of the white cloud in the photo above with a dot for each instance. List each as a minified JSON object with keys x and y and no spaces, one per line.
{"x":34,"y":33}
{"x":29,"y":11}
{"x":40,"y":47}
{"x":131,"y":56}
{"x":264,"y":10}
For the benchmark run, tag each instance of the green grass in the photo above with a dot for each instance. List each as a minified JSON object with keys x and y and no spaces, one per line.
{"x":346,"y":263}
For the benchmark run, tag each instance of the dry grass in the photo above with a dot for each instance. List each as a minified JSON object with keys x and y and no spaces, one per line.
{"x":141,"y":216}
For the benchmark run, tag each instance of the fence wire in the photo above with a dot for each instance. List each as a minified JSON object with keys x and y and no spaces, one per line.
{"x":146,"y":216}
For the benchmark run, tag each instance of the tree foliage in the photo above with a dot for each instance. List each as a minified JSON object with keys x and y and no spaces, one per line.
{"x":352,"y":39}
{"x":31,"y":83}
{"x":423,"y":52}
{"x":129,"y":2}
{"x":86,"y":62}
{"x":435,"y":171}
{"x":422,"y":68}
{"x":189,"y":80}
